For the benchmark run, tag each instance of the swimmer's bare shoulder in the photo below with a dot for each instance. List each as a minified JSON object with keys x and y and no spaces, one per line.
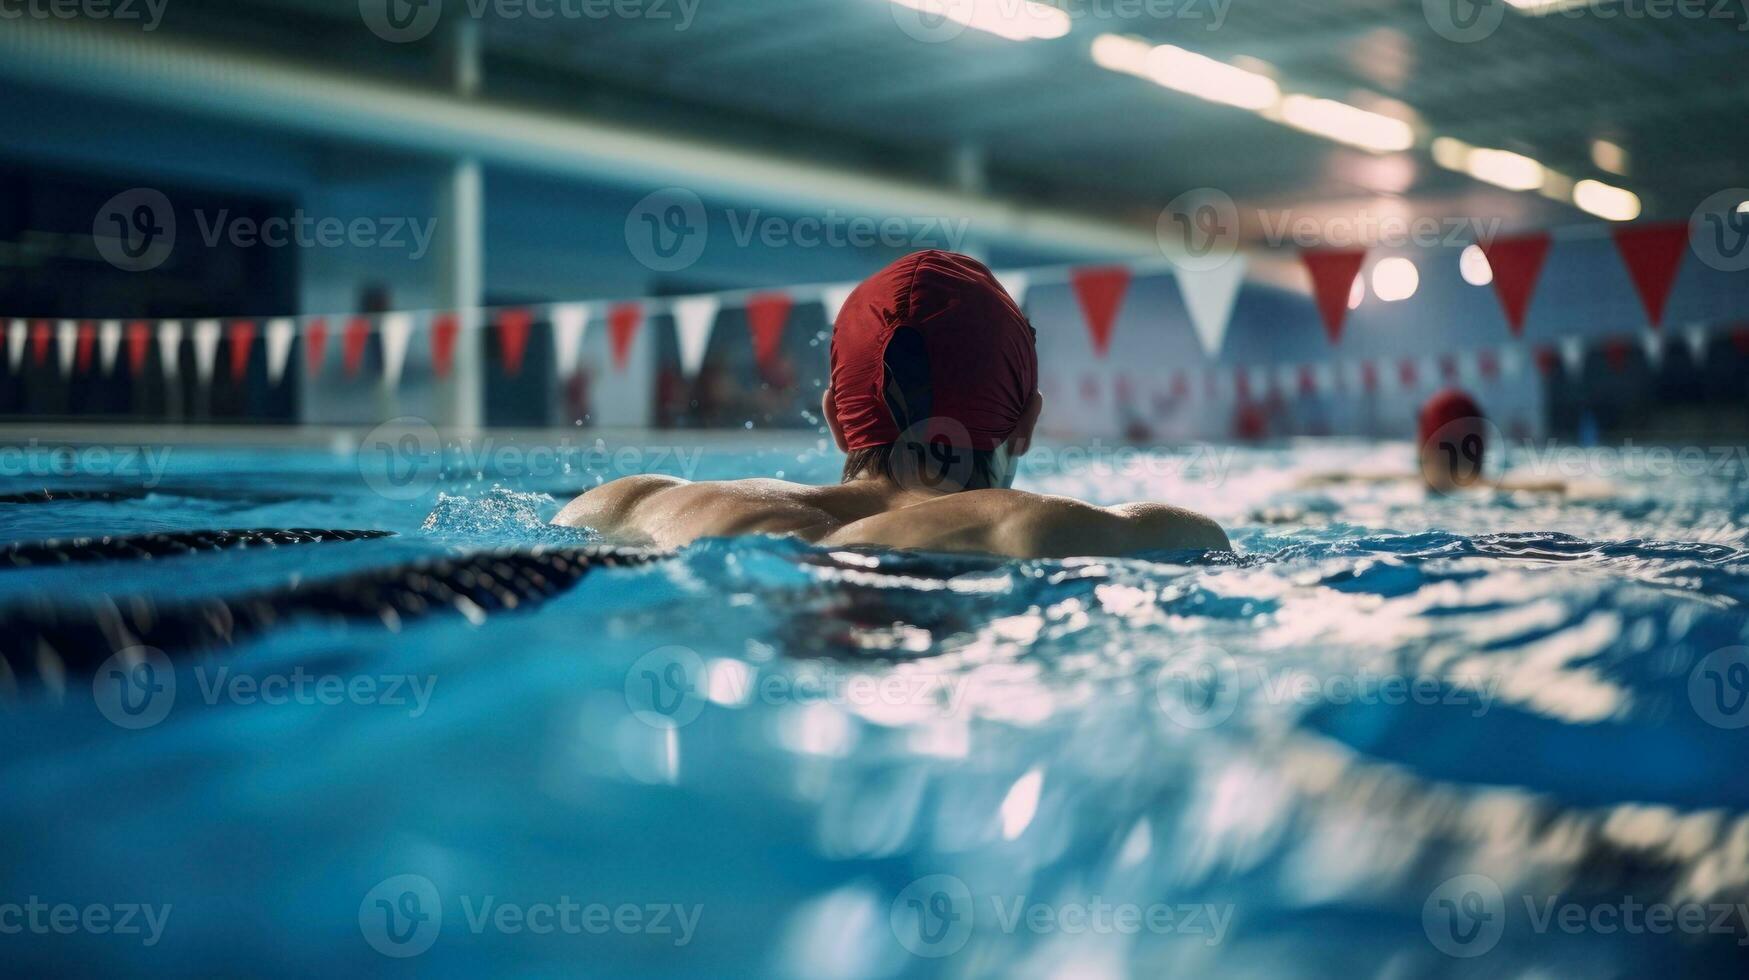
{"x":668,"y":512}
{"x":1018,"y":524}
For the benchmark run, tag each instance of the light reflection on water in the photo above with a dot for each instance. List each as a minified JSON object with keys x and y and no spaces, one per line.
{"x":1269,"y":764}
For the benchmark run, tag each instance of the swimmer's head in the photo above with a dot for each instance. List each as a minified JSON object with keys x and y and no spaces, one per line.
{"x":934,"y":376}
{"x":1453,"y":437}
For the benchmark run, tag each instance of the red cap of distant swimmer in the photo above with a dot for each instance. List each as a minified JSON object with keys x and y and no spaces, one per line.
{"x":983,"y":363}
{"x":1444,"y":408}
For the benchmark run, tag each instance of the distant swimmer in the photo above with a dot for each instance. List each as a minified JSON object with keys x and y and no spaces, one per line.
{"x":934,"y":397}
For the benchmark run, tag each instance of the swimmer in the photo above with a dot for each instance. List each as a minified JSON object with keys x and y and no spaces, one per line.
{"x":933,"y":397}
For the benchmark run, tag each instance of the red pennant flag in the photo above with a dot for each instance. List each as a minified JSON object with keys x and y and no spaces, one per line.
{"x":1517,"y":263}
{"x":444,"y":328}
{"x":513,"y":338}
{"x":1124,"y":390}
{"x":1333,"y":273}
{"x":1308,"y":381}
{"x":1615,"y":352}
{"x":241,"y":335}
{"x":767,"y":313}
{"x":39,"y":342}
{"x":1406,"y":372}
{"x":87,"y":340}
{"x":1100,"y":291}
{"x":315,"y":344}
{"x":1089,"y":388}
{"x":1487,"y":364}
{"x":622,"y":328}
{"x":352,"y":342}
{"x":139,"y":338}
{"x":1652,"y":254}
{"x":1180,"y":385}
{"x":1242,"y":383}
{"x":1740,"y":339}
{"x":1448,"y":368}
{"x":1369,"y":376}
{"x":1547,"y":360}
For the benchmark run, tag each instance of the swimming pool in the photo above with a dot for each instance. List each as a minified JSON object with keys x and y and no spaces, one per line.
{"x":1492,"y":735}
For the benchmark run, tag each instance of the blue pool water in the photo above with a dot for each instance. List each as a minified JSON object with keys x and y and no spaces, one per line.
{"x":1484,"y":736}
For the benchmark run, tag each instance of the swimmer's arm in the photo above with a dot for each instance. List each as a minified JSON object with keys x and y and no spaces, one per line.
{"x":612,"y":508}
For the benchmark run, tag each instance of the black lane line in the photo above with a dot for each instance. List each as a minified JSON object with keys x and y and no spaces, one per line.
{"x":140,"y":547}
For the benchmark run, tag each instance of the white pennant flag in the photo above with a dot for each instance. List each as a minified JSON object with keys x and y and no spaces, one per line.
{"x":1259,"y":381}
{"x":832,"y":300}
{"x":1573,"y":355}
{"x":569,"y":320}
{"x":1324,"y":377}
{"x":170,"y":346}
{"x":1511,"y":362}
{"x":206,"y":348}
{"x":1288,"y":379}
{"x":1469,"y":367}
{"x":1209,"y":296}
{"x":66,"y":332}
{"x":1697,"y":338}
{"x":395,"y":329}
{"x":1654,"y":345}
{"x":15,"y":342}
{"x":1429,"y":373}
{"x":1017,"y":283}
{"x":280,"y":334}
{"x":696,"y":316}
{"x":108,"y":342}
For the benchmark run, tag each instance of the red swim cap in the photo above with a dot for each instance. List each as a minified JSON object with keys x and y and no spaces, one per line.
{"x":983,"y":363}
{"x":1450,"y":405}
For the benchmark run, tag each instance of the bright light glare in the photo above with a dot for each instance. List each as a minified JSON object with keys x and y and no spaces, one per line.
{"x":1357,"y":293}
{"x":1609,"y":156}
{"x":1504,"y":168}
{"x":1537,"y":8}
{"x":1116,"y":52}
{"x":1395,"y":279}
{"x":1347,"y":124}
{"x":1451,"y":154}
{"x":1474,"y":267}
{"x":1017,"y":21}
{"x":1612,"y":203}
{"x":1206,"y":78}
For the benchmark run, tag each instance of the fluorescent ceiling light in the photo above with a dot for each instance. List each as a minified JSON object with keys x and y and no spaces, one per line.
{"x":1605,"y":201}
{"x":1504,"y":168}
{"x":1016,"y":20}
{"x":1347,"y":124}
{"x":1206,"y":78}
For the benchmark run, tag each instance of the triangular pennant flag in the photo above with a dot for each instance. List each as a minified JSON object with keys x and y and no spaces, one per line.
{"x":170,"y":347}
{"x":240,"y":339}
{"x":86,"y":343}
{"x":569,"y":321}
{"x":352,"y":340}
{"x":139,"y":339}
{"x":1333,"y":274}
{"x":1653,"y":343}
{"x":1408,"y":373}
{"x":1287,"y":378}
{"x":1016,"y":283}
{"x":397,"y":331}
{"x":1100,"y":291}
{"x":66,"y":337}
{"x":206,"y":348}
{"x":1697,"y":343}
{"x":1487,"y":365}
{"x":280,"y":334}
{"x":831,"y":300}
{"x":1615,"y":353}
{"x":1308,"y":381}
{"x":1208,"y":297}
{"x":1511,"y":362}
{"x":1261,"y":380}
{"x":623,"y":322}
{"x":1448,"y":370}
{"x":315,"y":346}
{"x":108,"y":343}
{"x":1652,"y":254}
{"x":444,"y":328}
{"x":1547,"y":360}
{"x":1573,"y":355}
{"x":767,"y":313}
{"x":513,"y":338}
{"x":40,"y":334}
{"x":1517,"y":263}
{"x":1328,"y":377}
{"x":15,"y":333}
{"x":696,"y":316}
{"x":1369,"y":376}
